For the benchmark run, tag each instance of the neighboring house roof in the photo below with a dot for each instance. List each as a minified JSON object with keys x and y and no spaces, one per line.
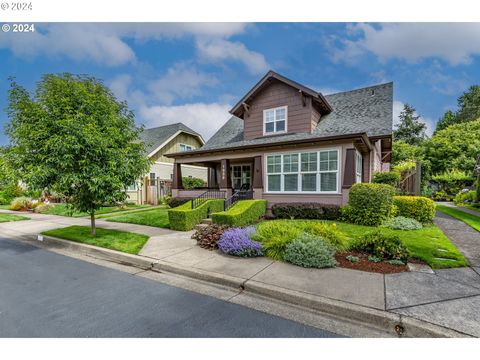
{"x":156,"y":138}
{"x":362,"y":111}
{"x":265,"y":81}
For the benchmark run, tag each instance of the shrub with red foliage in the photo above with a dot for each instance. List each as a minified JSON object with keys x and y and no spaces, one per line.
{"x":208,"y":237}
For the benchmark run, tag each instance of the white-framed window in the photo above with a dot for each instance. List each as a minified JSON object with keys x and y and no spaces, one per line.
{"x":303,"y":172}
{"x":132,"y":187}
{"x":275,"y":120}
{"x":185,"y":147}
{"x":358,"y":167}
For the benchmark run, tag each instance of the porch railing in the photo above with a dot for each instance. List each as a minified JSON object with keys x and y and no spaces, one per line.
{"x":238,"y":195}
{"x":208,"y":195}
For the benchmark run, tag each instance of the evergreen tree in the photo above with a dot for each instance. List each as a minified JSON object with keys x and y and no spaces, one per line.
{"x":410,"y":129}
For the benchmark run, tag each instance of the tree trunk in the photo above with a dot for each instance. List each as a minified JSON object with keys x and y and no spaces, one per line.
{"x":92,"y":223}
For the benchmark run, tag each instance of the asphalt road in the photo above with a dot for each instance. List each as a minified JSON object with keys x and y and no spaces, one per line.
{"x":44,"y":294}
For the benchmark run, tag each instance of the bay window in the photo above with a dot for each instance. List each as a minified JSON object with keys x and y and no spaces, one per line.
{"x":308,"y":172}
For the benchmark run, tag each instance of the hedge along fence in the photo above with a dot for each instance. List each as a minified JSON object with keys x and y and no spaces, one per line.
{"x":184,"y":218}
{"x":244,"y":212}
{"x":298,"y":210}
{"x":416,"y":207}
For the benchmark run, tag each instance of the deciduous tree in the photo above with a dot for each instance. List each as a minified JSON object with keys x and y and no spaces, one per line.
{"x":73,"y":137}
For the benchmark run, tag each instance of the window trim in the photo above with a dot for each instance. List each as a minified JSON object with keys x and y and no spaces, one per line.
{"x":186,"y":145}
{"x":265,"y":133}
{"x":358,"y":155}
{"x":339,"y":170}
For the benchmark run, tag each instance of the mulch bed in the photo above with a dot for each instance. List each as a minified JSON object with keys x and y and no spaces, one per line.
{"x":364,"y":265}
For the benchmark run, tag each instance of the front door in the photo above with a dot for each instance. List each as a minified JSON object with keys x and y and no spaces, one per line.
{"x":241,"y":175}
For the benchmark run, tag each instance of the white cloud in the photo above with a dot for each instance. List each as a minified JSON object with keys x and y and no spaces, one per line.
{"x":455,"y":43}
{"x":106,"y":44}
{"x":201,"y":117}
{"x":218,"y":50}
{"x":397,"y":109}
{"x":79,"y":42}
{"x":182,"y":80}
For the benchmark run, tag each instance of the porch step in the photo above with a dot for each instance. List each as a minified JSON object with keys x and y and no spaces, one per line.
{"x":207,"y":221}
{"x":200,"y":226}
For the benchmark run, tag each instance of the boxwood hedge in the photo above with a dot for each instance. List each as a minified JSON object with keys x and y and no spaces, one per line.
{"x":306,"y":210}
{"x":244,"y":212}
{"x":369,"y":204}
{"x":419,"y":208}
{"x":184,"y":218}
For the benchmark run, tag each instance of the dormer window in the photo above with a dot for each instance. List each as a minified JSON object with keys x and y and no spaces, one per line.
{"x":275,"y":121}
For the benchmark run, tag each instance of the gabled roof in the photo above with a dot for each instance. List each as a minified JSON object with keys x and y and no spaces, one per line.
{"x":363,"y":111}
{"x":317,"y":97}
{"x":156,"y":138}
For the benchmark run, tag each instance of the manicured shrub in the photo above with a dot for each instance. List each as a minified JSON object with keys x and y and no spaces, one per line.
{"x":374,"y":259}
{"x":190,"y":183}
{"x":419,"y":208}
{"x":464,"y":197}
{"x":184,"y":218}
{"x":42,"y":208}
{"x":237,"y":242}
{"x":306,"y":211}
{"x":208,"y":237}
{"x":391,"y":178}
{"x":352,"y":258}
{"x":3,"y":201}
{"x":403,"y":223}
{"x":381,"y":244}
{"x":244,"y":212}
{"x":21,"y":203}
{"x":396,"y":262}
{"x":310,"y":251}
{"x":451,"y":182}
{"x":369,"y":204}
{"x":177,"y":201}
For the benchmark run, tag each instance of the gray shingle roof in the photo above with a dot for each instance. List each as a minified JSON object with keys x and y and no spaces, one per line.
{"x":155,"y":137}
{"x":367,"y":110}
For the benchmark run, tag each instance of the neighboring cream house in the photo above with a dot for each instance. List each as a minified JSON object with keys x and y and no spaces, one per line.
{"x":159,"y":141}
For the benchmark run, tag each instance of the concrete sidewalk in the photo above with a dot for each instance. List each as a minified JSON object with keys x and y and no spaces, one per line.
{"x":449,"y":297}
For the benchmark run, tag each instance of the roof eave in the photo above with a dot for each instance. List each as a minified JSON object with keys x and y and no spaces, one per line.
{"x":363,"y":136}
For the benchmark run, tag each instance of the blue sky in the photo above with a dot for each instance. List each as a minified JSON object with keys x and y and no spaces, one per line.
{"x":195,"y":72}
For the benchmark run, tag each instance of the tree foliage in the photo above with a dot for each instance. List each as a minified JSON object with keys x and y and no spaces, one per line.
{"x":402,"y":151}
{"x":455,"y":147}
{"x":409,"y":129}
{"x":468,"y":109}
{"x":74,"y":138}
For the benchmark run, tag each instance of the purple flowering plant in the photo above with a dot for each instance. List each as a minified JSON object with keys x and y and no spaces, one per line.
{"x":237,"y":242}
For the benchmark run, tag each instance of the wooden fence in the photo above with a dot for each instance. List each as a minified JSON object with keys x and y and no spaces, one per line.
{"x":410,"y":182}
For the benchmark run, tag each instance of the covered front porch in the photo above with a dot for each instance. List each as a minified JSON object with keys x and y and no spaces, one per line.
{"x":224,"y":175}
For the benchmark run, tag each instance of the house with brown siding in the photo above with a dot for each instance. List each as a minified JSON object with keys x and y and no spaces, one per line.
{"x":158,"y":142}
{"x":288,"y":143}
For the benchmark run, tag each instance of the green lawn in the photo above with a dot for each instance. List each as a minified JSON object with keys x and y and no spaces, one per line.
{"x":157,"y":217}
{"x":8,"y":217}
{"x":471,"y":207}
{"x":469,"y":219}
{"x":63,"y":210}
{"x":5,"y":207}
{"x":427,"y":244}
{"x":124,"y":241}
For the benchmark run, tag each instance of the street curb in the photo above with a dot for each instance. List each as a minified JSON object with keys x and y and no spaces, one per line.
{"x":399,"y":325}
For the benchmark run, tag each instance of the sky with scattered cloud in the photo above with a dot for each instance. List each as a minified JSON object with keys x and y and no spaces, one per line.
{"x":194,"y":72}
